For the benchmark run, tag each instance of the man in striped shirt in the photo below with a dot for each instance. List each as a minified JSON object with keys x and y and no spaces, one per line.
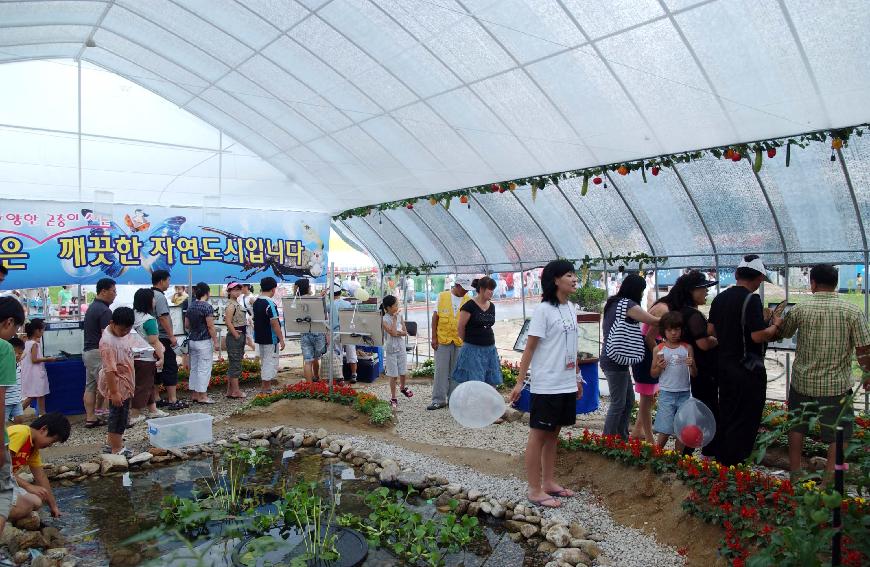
{"x":830,"y":330}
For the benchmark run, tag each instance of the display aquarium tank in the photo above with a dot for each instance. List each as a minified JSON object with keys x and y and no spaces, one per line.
{"x":588,"y":335}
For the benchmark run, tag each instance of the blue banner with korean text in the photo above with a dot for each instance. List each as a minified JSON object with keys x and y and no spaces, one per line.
{"x":46,"y":243}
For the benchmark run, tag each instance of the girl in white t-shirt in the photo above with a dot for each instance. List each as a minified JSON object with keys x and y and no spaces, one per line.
{"x":551,"y":351}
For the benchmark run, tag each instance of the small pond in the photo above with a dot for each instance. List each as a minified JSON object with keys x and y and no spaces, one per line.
{"x":99,"y":515}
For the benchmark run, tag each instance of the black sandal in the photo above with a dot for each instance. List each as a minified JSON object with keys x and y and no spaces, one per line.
{"x":94,"y":424}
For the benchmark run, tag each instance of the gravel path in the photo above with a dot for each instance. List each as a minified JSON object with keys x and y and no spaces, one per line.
{"x":625,"y":546}
{"x":416,"y":423}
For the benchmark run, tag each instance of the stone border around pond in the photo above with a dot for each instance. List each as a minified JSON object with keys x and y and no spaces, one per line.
{"x":565,"y":544}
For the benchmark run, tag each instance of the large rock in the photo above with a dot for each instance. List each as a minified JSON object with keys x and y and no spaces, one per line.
{"x":528,"y":530}
{"x":277,"y":430}
{"x":30,"y":523}
{"x":309,"y":441}
{"x":369,"y":469}
{"x":473,"y":509}
{"x":390,"y":471}
{"x":474,"y":494}
{"x":588,"y":546}
{"x":486,"y":507}
{"x":297,"y":440}
{"x":577,"y":531}
{"x":571,"y":555}
{"x":511,"y":415}
{"x":25,"y":539}
{"x":141,"y":458}
{"x":559,"y":535}
{"x":334,"y":447}
{"x":113,"y":463}
{"x":52,"y":537}
{"x":498,"y":510}
{"x":44,"y":561}
{"x":320,"y":434}
{"x":412,"y":478}
{"x":546,"y":547}
{"x":258,"y":434}
{"x":89,"y":468}
{"x":179,"y":454}
{"x":260,"y":442}
{"x":513,"y":526}
{"x":454,"y":489}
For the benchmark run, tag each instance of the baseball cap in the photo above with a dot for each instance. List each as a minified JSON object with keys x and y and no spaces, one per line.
{"x":757,"y":265}
{"x":464,"y":282}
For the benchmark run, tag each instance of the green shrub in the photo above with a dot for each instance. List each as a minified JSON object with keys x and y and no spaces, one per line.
{"x":589,"y":298}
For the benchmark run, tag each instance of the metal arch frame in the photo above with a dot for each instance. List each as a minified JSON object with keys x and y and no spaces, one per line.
{"x":341,"y":228}
{"x":462,"y":84}
{"x":196,"y":96}
{"x":861,"y":226}
{"x":700,"y":218}
{"x":360,"y":240}
{"x":582,"y":220}
{"x":631,"y":211}
{"x":429,"y":228}
{"x":498,"y":226}
{"x":408,"y":240}
{"x":467,"y":234}
{"x":185,"y":88}
{"x":534,"y":220}
{"x":94,"y":29}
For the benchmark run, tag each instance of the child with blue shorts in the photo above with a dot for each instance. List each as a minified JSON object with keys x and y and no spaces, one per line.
{"x":674,"y":366}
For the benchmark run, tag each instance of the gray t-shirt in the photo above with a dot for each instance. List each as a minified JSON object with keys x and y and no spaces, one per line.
{"x":161,"y":308}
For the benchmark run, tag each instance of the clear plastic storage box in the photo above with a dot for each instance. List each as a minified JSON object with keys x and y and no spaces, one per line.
{"x":180,"y":430}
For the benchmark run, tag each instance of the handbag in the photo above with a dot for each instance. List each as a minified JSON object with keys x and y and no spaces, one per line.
{"x":624,"y":344}
{"x":751,"y":361}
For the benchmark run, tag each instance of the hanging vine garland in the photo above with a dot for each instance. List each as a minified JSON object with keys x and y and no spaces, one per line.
{"x":753,"y":152}
{"x":409,"y":269}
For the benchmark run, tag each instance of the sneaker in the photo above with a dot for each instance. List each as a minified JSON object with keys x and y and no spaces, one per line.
{"x":125,"y":452}
{"x":162,"y":403}
{"x":176,"y":405}
{"x":353,"y":379}
{"x":135,"y":420}
{"x":394,"y":403}
{"x":435,"y":406}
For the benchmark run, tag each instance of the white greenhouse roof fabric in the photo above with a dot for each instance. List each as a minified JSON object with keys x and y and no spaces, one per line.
{"x":366,"y":101}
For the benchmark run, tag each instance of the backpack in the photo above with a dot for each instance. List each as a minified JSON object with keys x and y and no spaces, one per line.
{"x":624,"y":343}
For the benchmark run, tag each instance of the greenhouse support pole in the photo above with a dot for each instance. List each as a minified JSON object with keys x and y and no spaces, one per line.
{"x":656,"y":279}
{"x":785,"y":258}
{"x":522,"y":289}
{"x":428,"y":319}
{"x":79,"y":129}
{"x":787,"y":373}
{"x":837,"y":522}
{"x":866,"y":294}
{"x":330,"y":299}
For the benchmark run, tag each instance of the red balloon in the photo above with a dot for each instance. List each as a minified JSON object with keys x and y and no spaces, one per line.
{"x":692,"y":436}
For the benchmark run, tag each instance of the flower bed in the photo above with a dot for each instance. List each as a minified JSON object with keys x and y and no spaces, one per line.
{"x":776,"y":415}
{"x":379,"y":411}
{"x":250,"y":373}
{"x":767,"y":521}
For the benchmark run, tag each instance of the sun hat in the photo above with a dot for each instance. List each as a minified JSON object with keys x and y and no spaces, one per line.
{"x":696,"y":279}
{"x":757,"y":265}
{"x":233,"y":285}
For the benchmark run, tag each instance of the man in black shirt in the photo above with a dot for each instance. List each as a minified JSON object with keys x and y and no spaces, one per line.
{"x":740,"y":360}
{"x":97,"y":317}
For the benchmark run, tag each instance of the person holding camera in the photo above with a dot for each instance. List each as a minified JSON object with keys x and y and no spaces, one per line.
{"x":737,"y":320}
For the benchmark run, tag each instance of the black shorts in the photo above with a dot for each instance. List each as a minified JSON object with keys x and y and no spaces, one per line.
{"x":118,"y":417}
{"x":551,"y":411}
{"x":169,"y":375}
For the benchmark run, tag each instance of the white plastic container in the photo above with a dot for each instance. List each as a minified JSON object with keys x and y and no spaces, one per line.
{"x":180,"y":430}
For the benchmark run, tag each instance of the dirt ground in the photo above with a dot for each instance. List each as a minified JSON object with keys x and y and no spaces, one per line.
{"x":640,"y":499}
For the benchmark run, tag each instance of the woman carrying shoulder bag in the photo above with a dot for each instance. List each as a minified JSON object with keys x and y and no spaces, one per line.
{"x":623,"y":346}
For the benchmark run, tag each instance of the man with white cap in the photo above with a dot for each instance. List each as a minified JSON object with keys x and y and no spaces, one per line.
{"x":445,"y":339}
{"x":349,"y":351}
{"x":737,"y":318}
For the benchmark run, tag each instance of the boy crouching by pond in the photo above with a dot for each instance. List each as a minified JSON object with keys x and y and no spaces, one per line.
{"x":25,"y":441}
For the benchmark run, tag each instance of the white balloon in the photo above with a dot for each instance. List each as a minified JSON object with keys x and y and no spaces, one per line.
{"x":476,"y":404}
{"x":694,"y":423}
{"x":361,"y":294}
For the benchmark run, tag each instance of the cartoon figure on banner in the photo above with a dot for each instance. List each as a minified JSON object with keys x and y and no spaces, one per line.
{"x":137,"y":222}
{"x":169,"y":227}
{"x":282,"y":266}
{"x":312,"y":257}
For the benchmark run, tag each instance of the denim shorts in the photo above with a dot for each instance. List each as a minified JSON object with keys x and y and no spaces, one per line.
{"x":13,"y":411}
{"x":669,"y":403}
{"x":313,"y":345}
